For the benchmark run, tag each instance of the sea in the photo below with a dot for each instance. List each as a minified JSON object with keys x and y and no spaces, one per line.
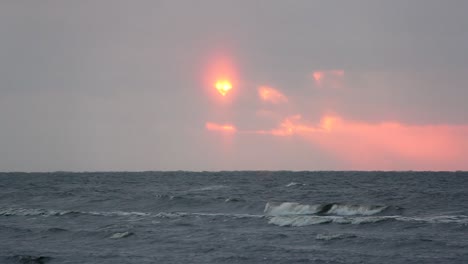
{"x":234,"y":217}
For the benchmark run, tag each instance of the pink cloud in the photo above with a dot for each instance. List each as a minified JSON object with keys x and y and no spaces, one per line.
{"x":220,"y":127}
{"x":271,"y":95}
{"x":290,"y":126}
{"x":385,"y":145}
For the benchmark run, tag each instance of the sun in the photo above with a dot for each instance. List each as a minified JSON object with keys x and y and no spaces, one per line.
{"x":223,"y":87}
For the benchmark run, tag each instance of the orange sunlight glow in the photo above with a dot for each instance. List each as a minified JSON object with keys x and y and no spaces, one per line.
{"x":331,"y":78}
{"x":223,"y":87}
{"x":271,"y":95}
{"x":220,"y":127}
{"x":221,"y":78}
{"x":384,"y":145}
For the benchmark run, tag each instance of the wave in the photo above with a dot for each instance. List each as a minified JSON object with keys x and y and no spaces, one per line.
{"x":284,"y":214}
{"x":229,"y":215}
{"x":48,"y":213}
{"x":121,"y":235}
{"x":166,"y":196}
{"x":436,"y":219}
{"x":30,"y":259}
{"x":291,"y":208}
{"x":344,"y":209}
{"x":116,"y":213}
{"x":184,"y":214}
{"x":56,"y":230}
{"x":328,"y":237}
{"x":210,"y":188}
{"x":32,"y":212}
{"x":305,"y":220}
{"x":291,"y":184}
{"x":233,"y":200}
{"x":296,"y":221}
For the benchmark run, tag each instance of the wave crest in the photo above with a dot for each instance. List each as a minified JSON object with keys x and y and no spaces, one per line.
{"x":345,"y":209}
{"x":291,"y":208}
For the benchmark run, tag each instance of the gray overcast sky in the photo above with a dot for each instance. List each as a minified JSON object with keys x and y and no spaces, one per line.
{"x":118,"y":85}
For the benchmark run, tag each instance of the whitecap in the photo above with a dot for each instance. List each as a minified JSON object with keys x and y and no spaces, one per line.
{"x":293,"y":208}
{"x":121,"y":235}
{"x":290,"y":208}
{"x":345,"y":209}
{"x":291,"y":184}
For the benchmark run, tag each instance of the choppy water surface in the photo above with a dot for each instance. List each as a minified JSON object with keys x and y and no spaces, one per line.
{"x":234,"y":217}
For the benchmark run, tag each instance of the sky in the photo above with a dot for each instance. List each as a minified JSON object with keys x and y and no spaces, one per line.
{"x":233,"y":85}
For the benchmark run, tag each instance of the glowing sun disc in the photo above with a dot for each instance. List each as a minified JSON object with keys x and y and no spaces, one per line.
{"x":223,"y":87}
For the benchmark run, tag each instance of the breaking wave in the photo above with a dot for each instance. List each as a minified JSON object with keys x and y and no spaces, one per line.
{"x":296,"y":214}
{"x":291,"y":208}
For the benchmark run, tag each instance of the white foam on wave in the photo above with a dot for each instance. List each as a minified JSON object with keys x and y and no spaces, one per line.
{"x":289,"y":208}
{"x":292,"y":208}
{"x":230,"y":199}
{"x":121,"y":235}
{"x":291,"y":184}
{"x":344,"y":209}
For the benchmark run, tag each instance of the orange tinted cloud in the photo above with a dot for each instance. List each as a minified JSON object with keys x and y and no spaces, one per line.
{"x":331,"y":78}
{"x":385,"y":145}
{"x":290,"y":126}
{"x":220,"y":127}
{"x":271,"y":95}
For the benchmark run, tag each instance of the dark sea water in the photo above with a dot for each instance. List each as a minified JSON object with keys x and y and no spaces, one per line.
{"x":234,"y":217}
